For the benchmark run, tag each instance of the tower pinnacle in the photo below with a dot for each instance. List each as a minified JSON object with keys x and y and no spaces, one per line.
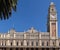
{"x":51,"y":3}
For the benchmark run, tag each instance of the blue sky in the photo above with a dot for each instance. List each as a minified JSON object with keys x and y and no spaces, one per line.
{"x":30,"y":13}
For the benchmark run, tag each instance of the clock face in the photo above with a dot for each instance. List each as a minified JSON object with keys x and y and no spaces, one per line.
{"x":52,"y":16}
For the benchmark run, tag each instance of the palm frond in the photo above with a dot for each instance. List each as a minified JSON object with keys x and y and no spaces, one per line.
{"x":6,"y":7}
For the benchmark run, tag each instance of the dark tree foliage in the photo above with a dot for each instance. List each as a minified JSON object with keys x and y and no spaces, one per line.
{"x":6,"y":7}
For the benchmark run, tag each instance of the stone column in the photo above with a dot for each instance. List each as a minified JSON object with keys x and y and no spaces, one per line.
{"x":14,"y":42}
{"x":19,"y":43}
{"x":8,"y":43}
{"x":51,"y":44}
{"x":57,"y":43}
{"x":25,"y":43}
{"x":39,"y":39}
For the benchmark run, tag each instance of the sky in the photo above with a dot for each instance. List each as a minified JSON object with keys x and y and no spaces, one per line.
{"x":30,"y":13}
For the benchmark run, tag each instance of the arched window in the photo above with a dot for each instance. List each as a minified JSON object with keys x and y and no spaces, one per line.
{"x":53,"y":43}
{"x":32,"y":43}
{"x":5,"y":43}
{"x":21,"y":43}
{"x":59,"y":43}
{"x":36,"y":43}
{"x":27,"y":43}
{"x":2,"y":43}
{"x":11,"y":43}
{"x":42,"y":43}
{"x":47,"y":43}
{"x":17,"y":43}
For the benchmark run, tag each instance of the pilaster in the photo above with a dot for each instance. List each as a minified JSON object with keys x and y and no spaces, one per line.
{"x":25,"y":43}
{"x":39,"y":39}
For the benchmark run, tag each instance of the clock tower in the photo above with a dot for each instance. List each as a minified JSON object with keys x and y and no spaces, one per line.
{"x":52,"y":21}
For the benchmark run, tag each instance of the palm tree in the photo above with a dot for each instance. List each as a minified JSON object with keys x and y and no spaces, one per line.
{"x":6,"y":7}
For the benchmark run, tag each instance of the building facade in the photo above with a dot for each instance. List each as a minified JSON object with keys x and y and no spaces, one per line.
{"x":33,"y":39}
